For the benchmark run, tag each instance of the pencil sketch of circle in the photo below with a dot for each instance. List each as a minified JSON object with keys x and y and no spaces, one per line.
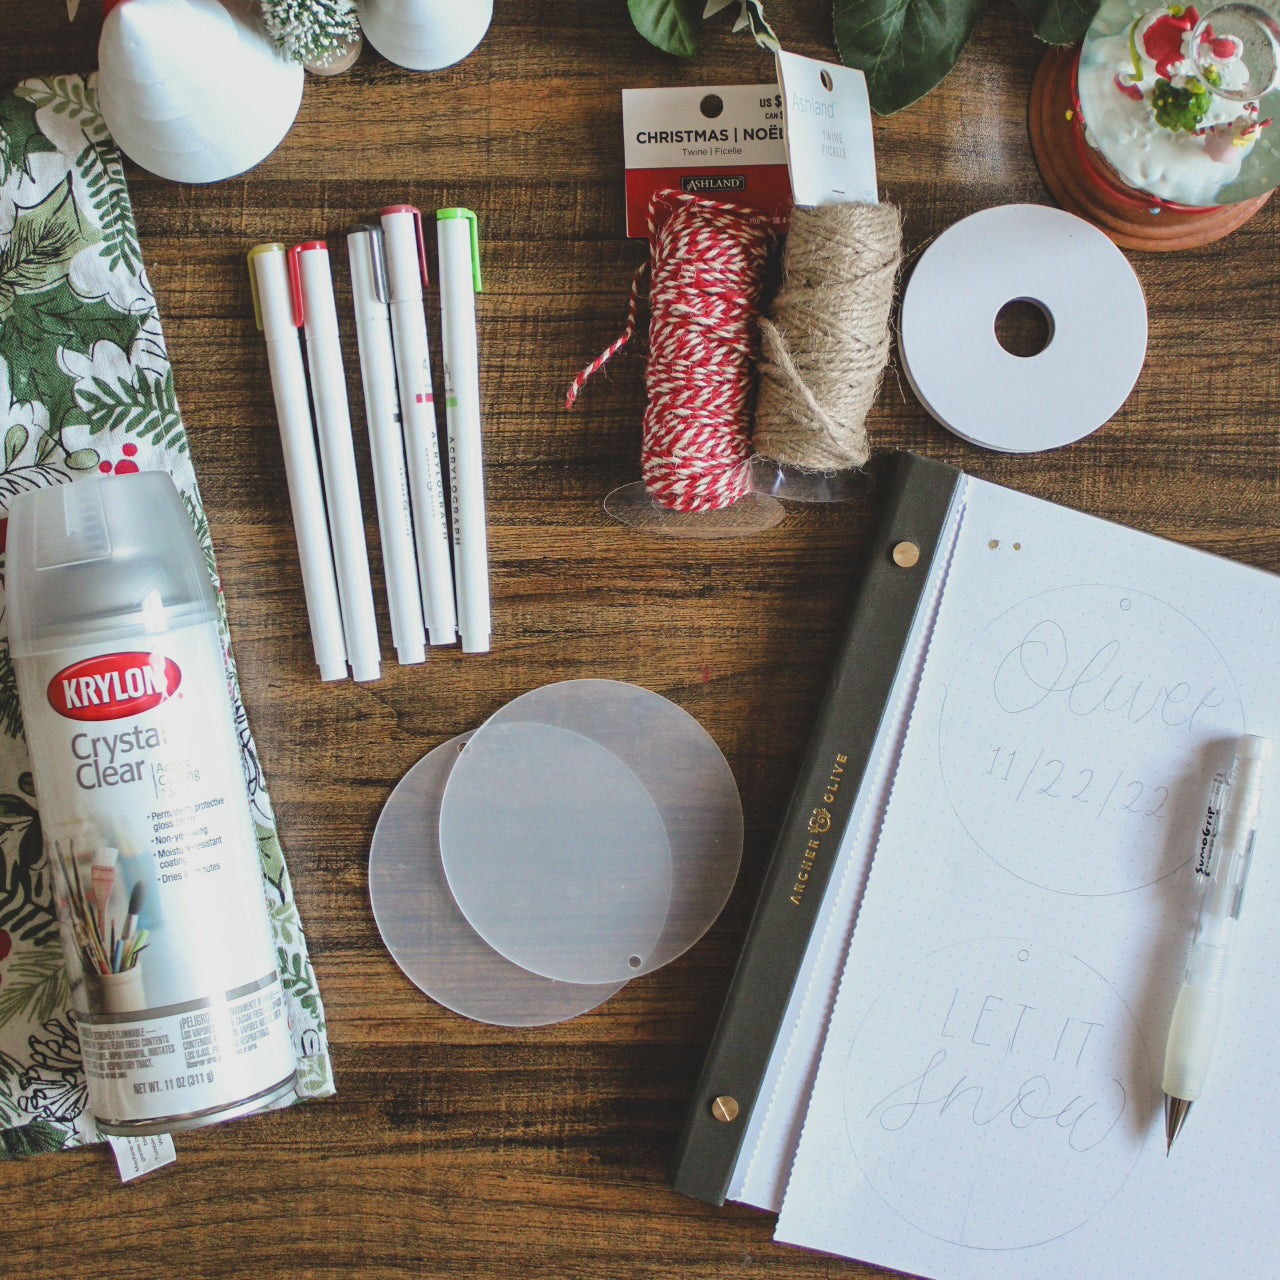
{"x":997,"y":1094}
{"x":1076,"y":734}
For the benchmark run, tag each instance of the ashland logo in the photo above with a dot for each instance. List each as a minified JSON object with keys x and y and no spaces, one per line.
{"x":695,"y":183}
{"x":113,"y":685}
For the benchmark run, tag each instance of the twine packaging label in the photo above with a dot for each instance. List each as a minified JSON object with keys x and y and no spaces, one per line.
{"x":725,"y":143}
{"x":827,"y":115}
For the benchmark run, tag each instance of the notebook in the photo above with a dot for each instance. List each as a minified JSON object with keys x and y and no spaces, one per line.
{"x":960,"y":1072}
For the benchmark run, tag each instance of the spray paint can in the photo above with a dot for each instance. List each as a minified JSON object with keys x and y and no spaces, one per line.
{"x":113,"y":632}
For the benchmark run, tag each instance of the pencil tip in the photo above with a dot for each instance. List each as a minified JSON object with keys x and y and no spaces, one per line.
{"x":1176,"y":1111}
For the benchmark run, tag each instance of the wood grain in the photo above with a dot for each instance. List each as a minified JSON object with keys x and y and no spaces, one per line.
{"x":453,"y":1148}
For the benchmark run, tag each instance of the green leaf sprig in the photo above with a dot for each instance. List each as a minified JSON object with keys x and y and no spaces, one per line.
{"x":906,"y":47}
{"x":672,"y":25}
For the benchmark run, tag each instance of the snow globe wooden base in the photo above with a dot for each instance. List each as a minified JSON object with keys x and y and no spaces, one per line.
{"x":1079,"y":180}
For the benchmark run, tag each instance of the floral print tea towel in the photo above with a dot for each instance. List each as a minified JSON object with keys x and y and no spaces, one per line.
{"x":85,"y":387}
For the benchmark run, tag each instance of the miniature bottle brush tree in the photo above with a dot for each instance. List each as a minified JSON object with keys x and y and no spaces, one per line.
{"x":313,"y":32}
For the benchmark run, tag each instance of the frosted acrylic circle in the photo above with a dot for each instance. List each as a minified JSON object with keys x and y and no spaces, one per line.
{"x":555,"y":853}
{"x":428,"y":936}
{"x":591,"y":831}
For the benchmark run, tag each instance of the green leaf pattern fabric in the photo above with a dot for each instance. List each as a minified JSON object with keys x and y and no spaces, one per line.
{"x":86,"y":387}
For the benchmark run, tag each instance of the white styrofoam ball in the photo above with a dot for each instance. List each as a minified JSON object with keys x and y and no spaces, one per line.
{"x":424,"y":35}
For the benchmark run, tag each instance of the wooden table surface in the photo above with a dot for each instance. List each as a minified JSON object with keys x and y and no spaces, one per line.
{"x":455,"y":1148}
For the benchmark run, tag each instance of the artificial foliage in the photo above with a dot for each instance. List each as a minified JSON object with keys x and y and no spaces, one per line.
{"x":672,"y":25}
{"x":905,"y":47}
{"x":313,"y":32}
{"x":1181,"y":106}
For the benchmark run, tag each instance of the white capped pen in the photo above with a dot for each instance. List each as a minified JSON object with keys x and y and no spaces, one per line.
{"x":276,"y":310}
{"x":309,"y":266}
{"x":458,"y":247}
{"x":386,"y":445}
{"x":1223,"y":866}
{"x":407,"y":278}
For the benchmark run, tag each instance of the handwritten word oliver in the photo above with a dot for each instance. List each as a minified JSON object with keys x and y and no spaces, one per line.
{"x":1109,"y":681}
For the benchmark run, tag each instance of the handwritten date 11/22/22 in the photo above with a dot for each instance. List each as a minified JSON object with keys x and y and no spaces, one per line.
{"x":1043,"y":777}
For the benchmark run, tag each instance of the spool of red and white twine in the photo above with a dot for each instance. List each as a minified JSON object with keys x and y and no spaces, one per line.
{"x":826,"y":342}
{"x":706,"y":277}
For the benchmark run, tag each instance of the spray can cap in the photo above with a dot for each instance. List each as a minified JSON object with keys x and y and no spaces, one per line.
{"x":105,"y":556}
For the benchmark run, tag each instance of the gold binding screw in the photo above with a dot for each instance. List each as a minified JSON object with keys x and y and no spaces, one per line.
{"x":725,"y":1108}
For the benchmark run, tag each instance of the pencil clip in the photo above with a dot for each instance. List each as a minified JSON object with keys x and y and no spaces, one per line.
{"x":273,"y":247}
{"x":422,"y":244}
{"x":295,"y":279}
{"x":378,"y":281}
{"x":378,"y":265}
{"x":253,"y":290}
{"x":473,"y":228}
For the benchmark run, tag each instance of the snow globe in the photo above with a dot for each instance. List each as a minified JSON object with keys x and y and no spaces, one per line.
{"x":1159,"y":128}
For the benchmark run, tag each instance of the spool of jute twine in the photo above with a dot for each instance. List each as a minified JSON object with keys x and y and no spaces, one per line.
{"x":826,"y":338}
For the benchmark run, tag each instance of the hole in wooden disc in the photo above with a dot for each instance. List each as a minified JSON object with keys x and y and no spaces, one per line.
{"x":1023,"y":327}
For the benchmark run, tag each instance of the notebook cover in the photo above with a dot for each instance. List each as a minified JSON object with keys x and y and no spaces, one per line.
{"x":917,"y":498}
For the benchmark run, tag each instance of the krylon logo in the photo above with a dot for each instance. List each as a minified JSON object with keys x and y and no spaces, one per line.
{"x":113,"y":685}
